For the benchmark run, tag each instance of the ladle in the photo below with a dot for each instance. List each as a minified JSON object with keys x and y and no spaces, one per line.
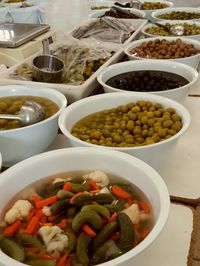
{"x":30,"y":113}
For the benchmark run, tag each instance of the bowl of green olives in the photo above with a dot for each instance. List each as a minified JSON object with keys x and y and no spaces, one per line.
{"x":165,"y":78}
{"x":176,"y":49}
{"x":162,"y":28}
{"x":177,"y":13}
{"x":149,"y":6}
{"x":144,"y":125}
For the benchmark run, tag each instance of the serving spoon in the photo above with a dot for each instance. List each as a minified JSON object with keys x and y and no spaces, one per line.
{"x":30,"y":113}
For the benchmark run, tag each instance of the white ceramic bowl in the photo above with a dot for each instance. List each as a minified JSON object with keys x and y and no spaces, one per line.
{"x":192,"y":61}
{"x":0,"y":161}
{"x":155,"y":154}
{"x":178,"y":94}
{"x":149,"y":12}
{"x":87,"y":159}
{"x":100,"y":4}
{"x":21,"y":143}
{"x":166,"y":11}
{"x":171,"y":22}
{"x":140,"y":13}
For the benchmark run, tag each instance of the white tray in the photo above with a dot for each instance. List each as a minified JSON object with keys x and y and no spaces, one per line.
{"x":72,"y":92}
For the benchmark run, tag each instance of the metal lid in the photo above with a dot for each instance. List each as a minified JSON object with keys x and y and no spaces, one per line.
{"x":15,"y":34}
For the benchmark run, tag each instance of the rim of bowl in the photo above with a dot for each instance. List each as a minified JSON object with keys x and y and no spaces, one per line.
{"x":169,"y":3}
{"x":169,"y":38}
{"x":172,"y":22}
{"x":185,"y":9}
{"x":142,"y":96}
{"x":51,"y":91}
{"x":150,"y":61}
{"x":155,"y":178}
{"x":0,"y":161}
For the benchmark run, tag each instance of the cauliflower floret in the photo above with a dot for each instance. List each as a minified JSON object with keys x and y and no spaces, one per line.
{"x":104,"y":190}
{"x":23,"y":207}
{"x":19,"y":210}
{"x":46,"y":210}
{"x":11,"y":216}
{"x":58,"y":179}
{"x":99,"y":177}
{"x":53,"y":238}
{"x":133,"y":213}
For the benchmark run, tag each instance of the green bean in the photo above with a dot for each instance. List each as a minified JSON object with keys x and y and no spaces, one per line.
{"x":71,"y":212}
{"x":40,"y":262}
{"x":82,"y":248}
{"x":100,"y":254}
{"x":86,"y":216}
{"x":103,"y":211}
{"x":117,"y":206}
{"x":103,"y":198}
{"x":80,"y":187}
{"x":64,"y":194}
{"x":13,"y":249}
{"x":77,"y":180}
{"x":59,"y":206}
{"x":104,"y":234}
{"x":32,"y":241}
{"x":31,"y":256}
{"x":83,"y":199}
{"x":127,"y":233}
{"x":72,"y":239}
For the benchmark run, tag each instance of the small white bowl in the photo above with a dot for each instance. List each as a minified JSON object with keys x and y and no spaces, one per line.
{"x":149,"y":12}
{"x":167,"y":11}
{"x":140,"y":13}
{"x":21,"y":143}
{"x":192,"y":61}
{"x":171,"y":22}
{"x":155,"y":154}
{"x":178,"y":94}
{"x":106,"y":4}
{"x":89,"y":159}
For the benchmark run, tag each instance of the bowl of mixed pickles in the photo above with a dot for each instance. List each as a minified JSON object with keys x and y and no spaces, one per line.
{"x":19,"y":141}
{"x":177,"y":13}
{"x":80,"y":206}
{"x":163,"y":28}
{"x":144,"y":125}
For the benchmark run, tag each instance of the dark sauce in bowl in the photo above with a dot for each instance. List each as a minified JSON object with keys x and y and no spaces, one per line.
{"x":147,"y":81}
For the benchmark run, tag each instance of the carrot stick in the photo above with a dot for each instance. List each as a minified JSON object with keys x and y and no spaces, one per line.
{"x":35,"y":198}
{"x":48,"y":224}
{"x":144,"y":206}
{"x":39,"y":213}
{"x":63,"y":260}
{"x":113,"y":217}
{"x":45,"y":202}
{"x":31,"y":214}
{"x":93,"y":185}
{"x":11,"y":229}
{"x":32,"y":225}
{"x":144,"y":233}
{"x":46,"y":257}
{"x":63,"y":223}
{"x":88,"y":230}
{"x":120,"y":192}
{"x":75,"y":196}
{"x":52,"y":217}
{"x":67,"y":186}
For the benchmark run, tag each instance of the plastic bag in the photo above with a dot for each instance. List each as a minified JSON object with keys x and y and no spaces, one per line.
{"x":105,"y":29}
{"x":81,"y":61}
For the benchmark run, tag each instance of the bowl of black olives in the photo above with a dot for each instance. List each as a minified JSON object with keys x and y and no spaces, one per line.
{"x":160,"y":77}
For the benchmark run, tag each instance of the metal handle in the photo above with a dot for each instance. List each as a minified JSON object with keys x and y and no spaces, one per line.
{"x":45,"y":44}
{"x":13,"y":117}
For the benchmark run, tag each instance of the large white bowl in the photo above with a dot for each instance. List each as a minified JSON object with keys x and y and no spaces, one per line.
{"x":149,"y":12}
{"x":171,"y":22}
{"x":192,"y":61}
{"x":0,"y":161}
{"x":166,"y":11}
{"x":178,"y":94}
{"x":137,"y":12}
{"x":155,"y":154}
{"x":87,"y":159}
{"x":21,"y":143}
